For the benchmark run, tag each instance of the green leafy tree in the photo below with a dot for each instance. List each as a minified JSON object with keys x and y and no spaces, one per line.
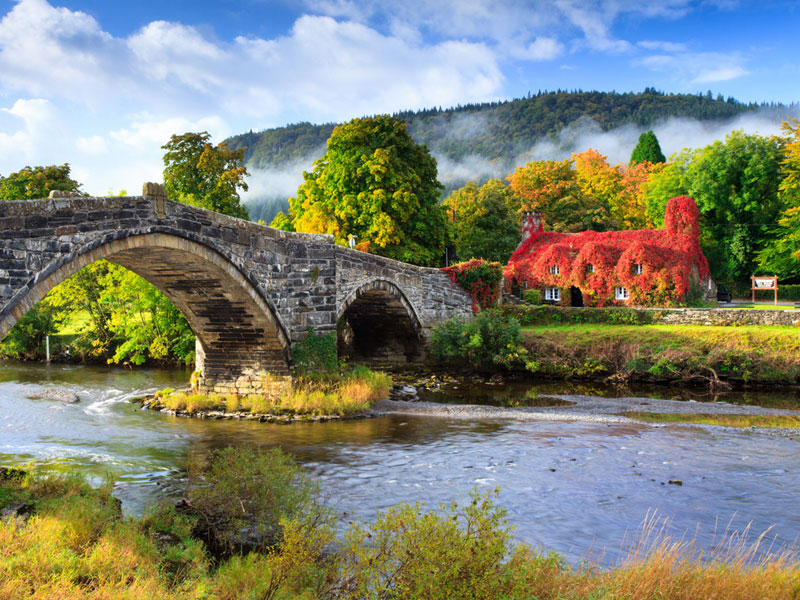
{"x":201,"y":174}
{"x":376,"y":183}
{"x":735,"y":184}
{"x":647,"y":149}
{"x":782,"y":255}
{"x":484,"y":224}
{"x":665,"y":183}
{"x":33,"y":183}
{"x":26,"y":340}
{"x":129,"y":320}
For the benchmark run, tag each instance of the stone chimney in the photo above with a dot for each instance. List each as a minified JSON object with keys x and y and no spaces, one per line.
{"x":531,"y":223}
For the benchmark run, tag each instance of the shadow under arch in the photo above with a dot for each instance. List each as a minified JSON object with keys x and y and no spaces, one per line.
{"x":377,"y":323}
{"x":240,"y":336}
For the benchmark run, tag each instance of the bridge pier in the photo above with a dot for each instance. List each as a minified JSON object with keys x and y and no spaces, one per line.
{"x":237,"y":373}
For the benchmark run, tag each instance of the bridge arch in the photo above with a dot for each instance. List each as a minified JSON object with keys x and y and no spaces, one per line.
{"x":378,"y":323}
{"x":241,"y":342}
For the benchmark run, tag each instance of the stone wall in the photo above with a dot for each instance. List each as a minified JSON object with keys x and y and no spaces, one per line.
{"x":725,"y":316}
{"x":428,"y":291}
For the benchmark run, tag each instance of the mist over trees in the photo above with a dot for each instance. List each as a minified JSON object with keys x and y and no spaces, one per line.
{"x":477,"y":142}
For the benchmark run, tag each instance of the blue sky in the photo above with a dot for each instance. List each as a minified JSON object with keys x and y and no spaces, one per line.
{"x":102,"y":85}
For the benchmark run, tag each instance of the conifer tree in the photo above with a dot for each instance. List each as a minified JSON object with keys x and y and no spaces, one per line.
{"x":647,"y":150}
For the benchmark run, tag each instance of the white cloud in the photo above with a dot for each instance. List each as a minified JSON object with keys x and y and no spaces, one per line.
{"x":662,"y":46}
{"x":543,"y":48}
{"x":28,"y":124}
{"x":697,"y":67}
{"x":94,"y":144}
{"x":97,"y":100}
{"x":722,"y":73}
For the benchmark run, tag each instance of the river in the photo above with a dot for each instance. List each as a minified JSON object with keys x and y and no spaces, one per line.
{"x":581,"y":489}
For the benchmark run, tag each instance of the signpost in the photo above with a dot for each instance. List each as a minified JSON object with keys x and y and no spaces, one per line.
{"x":765,"y":283}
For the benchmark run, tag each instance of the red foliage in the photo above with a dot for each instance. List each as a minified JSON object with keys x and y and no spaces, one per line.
{"x":480,"y":279}
{"x":670,"y":259}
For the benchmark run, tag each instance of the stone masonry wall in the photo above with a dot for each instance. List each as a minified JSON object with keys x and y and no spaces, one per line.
{"x":726,"y":316}
{"x":429,"y":292}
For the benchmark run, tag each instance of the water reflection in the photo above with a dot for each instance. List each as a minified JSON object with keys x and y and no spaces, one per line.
{"x":570,"y":487}
{"x":514,"y":393}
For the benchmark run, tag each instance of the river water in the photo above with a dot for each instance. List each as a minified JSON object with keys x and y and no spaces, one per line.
{"x":581,"y":489}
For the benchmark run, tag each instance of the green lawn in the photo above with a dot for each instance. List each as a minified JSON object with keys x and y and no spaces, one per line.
{"x":77,"y":322}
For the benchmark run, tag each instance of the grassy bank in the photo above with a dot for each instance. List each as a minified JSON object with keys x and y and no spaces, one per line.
{"x":665,"y":352}
{"x":66,"y":540}
{"x":344,"y":394}
{"x":746,"y":421}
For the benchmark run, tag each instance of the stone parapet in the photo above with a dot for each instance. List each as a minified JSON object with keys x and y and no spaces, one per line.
{"x":725,"y":316}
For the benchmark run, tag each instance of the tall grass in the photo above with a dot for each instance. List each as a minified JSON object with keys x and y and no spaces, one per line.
{"x":344,"y":394}
{"x":78,"y":545}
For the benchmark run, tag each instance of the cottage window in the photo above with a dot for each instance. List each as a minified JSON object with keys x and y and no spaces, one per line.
{"x":621,"y":293}
{"x":552,"y":294}
{"x":554,"y":270}
{"x":638,"y":268}
{"x":590,"y":268}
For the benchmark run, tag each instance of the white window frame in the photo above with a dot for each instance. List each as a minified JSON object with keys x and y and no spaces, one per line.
{"x":554,"y":270}
{"x":553,"y":294}
{"x":638,"y":268}
{"x":621,"y":293}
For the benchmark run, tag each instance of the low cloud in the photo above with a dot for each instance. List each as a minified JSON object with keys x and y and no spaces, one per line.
{"x":674,"y":134}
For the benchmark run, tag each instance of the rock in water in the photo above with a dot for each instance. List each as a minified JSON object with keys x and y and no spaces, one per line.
{"x":64,"y":396}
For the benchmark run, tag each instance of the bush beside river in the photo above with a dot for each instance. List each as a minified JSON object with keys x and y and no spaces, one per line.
{"x":253,"y":526}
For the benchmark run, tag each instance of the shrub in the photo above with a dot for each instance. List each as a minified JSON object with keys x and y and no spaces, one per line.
{"x":487,"y":341}
{"x":533,"y":297}
{"x":788,"y":292}
{"x":464,"y":552}
{"x":241,"y":497}
{"x":316,"y":353}
{"x":544,"y":315}
{"x":480,"y":279}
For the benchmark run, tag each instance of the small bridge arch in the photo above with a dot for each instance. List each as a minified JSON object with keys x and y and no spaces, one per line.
{"x":378,"y":323}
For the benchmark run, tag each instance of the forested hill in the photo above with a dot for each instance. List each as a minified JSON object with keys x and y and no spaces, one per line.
{"x":497,"y":130}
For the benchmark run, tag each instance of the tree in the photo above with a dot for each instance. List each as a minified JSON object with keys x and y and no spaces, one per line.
{"x":667,"y":181}
{"x":203,"y":175}
{"x":37,"y":182}
{"x":129,"y":321}
{"x":782,"y":255}
{"x":376,"y":183}
{"x":630,"y":208}
{"x":735,"y":184}
{"x":552,"y":188}
{"x":647,"y":149}
{"x":483,"y":221}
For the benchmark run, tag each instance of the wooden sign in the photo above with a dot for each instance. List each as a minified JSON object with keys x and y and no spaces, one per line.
{"x":765,"y":283}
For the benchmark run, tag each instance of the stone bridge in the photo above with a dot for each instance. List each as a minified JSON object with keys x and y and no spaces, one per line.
{"x":249,"y":292}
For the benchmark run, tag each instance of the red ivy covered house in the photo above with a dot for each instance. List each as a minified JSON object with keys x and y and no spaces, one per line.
{"x":646,"y":267}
